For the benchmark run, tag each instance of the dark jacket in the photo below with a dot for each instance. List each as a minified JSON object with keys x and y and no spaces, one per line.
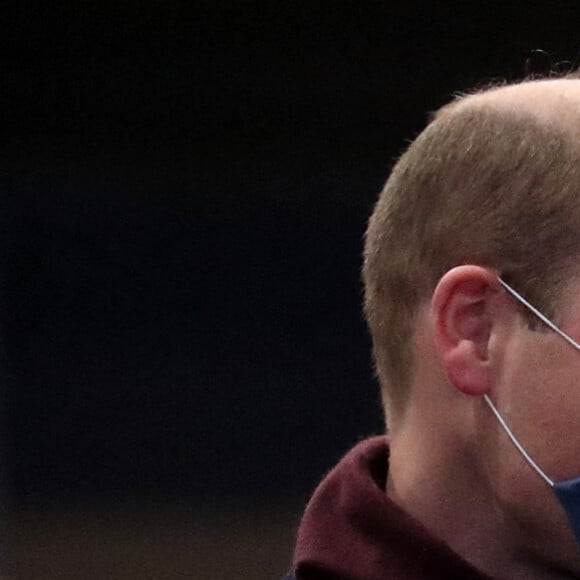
{"x":352,"y":531}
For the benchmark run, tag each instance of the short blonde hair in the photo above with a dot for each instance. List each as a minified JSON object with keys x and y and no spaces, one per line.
{"x":481,"y":186}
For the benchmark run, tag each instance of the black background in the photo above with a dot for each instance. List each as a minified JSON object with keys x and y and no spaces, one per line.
{"x":184,"y":190}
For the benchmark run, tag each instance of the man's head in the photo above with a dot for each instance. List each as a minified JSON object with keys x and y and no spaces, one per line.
{"x":490,"y":188}
{"x":494,"y":180}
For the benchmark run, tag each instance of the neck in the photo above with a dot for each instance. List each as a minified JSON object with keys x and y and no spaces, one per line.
{"x":440,"y":481}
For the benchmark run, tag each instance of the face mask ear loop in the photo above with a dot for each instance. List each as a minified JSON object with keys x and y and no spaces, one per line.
{"x":504,"y":425}
{"x":545,"y":320}
{"x":517,"y":443}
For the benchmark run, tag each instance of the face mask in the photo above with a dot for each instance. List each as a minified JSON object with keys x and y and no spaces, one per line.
{"x":567,"y":492}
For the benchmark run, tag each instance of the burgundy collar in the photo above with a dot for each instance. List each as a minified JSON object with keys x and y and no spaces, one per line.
{"x":352,"y":530}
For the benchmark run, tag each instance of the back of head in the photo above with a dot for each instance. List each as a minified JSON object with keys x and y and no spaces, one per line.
{"x":487,"y":182}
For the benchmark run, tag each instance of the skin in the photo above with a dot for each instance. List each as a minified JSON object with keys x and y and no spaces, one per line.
{"x":451,"y":465}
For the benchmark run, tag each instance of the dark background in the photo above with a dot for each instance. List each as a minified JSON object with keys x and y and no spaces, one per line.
{"x":184,"y":191}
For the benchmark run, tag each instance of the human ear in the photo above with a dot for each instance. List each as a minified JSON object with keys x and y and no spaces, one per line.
{"x":465,"y":318}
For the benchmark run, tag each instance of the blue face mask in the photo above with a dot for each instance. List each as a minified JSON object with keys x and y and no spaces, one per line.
{"x":568,"y":491}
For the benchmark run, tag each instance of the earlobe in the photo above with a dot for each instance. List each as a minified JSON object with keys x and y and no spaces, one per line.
{"x":465,"y":369}
{"x":463,"y":318}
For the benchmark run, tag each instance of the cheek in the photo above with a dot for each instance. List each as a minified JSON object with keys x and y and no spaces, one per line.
{"x":549,"y":407}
